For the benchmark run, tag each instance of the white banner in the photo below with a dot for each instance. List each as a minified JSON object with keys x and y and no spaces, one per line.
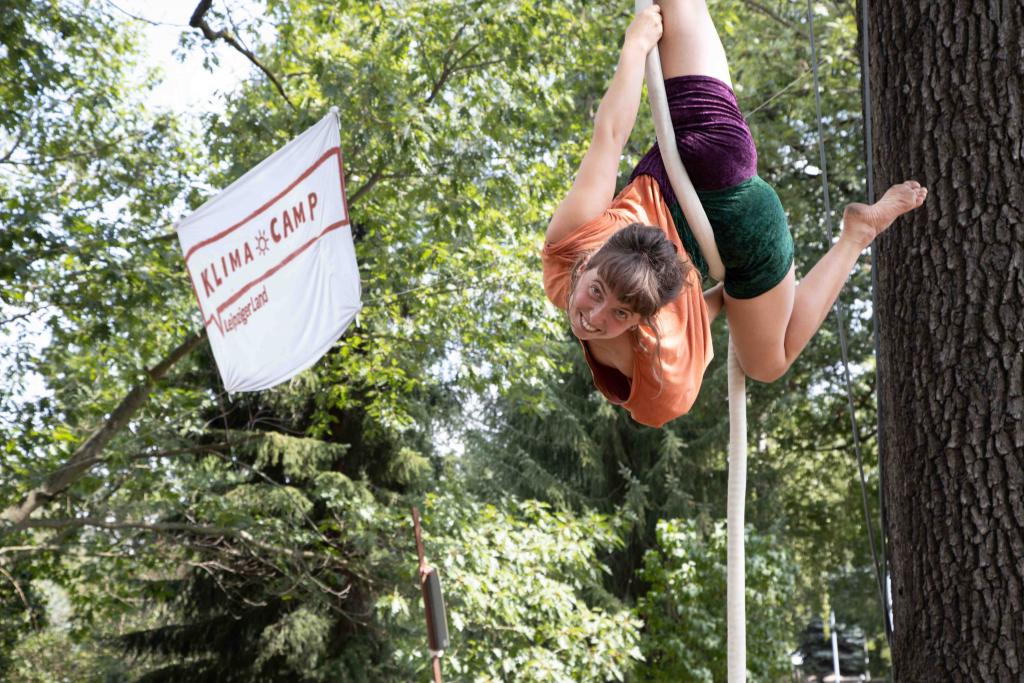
{"x":272,"y":262}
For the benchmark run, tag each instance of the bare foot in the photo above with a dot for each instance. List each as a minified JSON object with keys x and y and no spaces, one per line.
{"x":863,"y":223}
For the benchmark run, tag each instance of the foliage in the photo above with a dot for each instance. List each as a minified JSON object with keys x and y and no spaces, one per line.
{"x":523,"y":587}
{"x":524,"y":595}
{"x":684,"y":605}
{"x":265,"y":535}
{"x":283,"y":584}
{"x":48,"y":651}
{"x":558,"y":441}
{"x":52,"y":655}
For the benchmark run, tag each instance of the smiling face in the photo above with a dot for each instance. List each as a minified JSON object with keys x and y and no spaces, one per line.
{"x":595,"y":312}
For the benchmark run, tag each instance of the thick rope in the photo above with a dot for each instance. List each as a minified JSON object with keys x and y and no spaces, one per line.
{"x":687,"y":197}
{"x":736,"y":616}
{"x":689,"y":202}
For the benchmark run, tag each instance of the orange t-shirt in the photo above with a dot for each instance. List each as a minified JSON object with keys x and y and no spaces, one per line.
{"x":684,"y":325}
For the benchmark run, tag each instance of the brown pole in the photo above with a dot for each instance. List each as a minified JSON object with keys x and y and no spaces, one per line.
{"x":419,"y":538}
{"x":423,"y":573}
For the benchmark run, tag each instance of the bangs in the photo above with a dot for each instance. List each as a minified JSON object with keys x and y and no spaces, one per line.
{"x":631,"y":280}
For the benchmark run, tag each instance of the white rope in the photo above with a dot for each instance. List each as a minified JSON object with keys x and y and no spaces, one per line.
{"x":689,"y":202}
{"x":736,"y":615}
{"x":677,"y":175}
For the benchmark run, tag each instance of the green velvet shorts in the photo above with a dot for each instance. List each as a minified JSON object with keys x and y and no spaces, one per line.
{"x":752,"y":234}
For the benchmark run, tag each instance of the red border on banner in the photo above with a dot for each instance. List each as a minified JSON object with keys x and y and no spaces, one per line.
{"x":305,"y":174}
{"x":279,"y":266}
{"x":334,"y":151}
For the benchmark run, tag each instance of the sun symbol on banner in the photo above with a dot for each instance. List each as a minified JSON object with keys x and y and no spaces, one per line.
{"x":262,"y":243}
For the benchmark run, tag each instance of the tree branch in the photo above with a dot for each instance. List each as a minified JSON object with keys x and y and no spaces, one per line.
{"x":198,"y":21}
{"x":14,"y":147}
{"x":28,"y":548}
{"x":86,"y":455}
{"x":165,"y":527}
{"x":768,"y":12}
{"x":477,"y":65}
{"x":22,"y":316}
{"x":24,"y":600}
{"x":445,"y":65}
{"x":802,"y":75}
{"x":166,"y":237}
{"x":374,"y":178}
{"x":451,"y":64}
{"x":78,"y":522}
{"x":82,"y":154}
{"x":62,"y":549}
{"x":206,"y":448}
{"x":143,"y":19}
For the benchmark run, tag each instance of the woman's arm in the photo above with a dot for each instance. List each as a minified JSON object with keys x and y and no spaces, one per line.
{"x":715,"y":299}
{"x":594,"y":186}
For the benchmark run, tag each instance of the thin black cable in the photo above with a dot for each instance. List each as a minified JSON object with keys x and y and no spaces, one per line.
{"x":869,"y":173}
{"x":839,"y":318}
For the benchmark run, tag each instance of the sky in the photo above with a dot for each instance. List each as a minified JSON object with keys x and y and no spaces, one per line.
{"x":188,"y":88}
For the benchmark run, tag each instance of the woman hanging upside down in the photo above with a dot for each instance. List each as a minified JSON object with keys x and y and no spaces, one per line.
{"x":626,"y":268}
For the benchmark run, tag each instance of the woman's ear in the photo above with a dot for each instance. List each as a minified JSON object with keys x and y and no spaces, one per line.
{"x":580,"y":266}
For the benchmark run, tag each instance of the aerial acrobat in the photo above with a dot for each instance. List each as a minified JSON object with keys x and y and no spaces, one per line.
{"x":626,"y":269}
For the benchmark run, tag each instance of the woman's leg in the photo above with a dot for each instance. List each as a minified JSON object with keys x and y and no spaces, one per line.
{"x":690,"y":45}
{"x":770,"y":330}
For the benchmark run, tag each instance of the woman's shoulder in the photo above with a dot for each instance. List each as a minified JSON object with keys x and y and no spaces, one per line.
{"x":629,"y":206}
{"x":643,"y":192}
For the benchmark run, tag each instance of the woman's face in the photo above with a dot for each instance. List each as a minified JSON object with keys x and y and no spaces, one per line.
{"x":595,"y":313}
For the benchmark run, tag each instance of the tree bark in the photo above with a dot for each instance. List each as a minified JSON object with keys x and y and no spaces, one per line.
{"x":947,"y":106}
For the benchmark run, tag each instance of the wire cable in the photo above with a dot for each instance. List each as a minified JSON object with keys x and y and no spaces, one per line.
{"x":843,"y":343}
{"x":869,"y":173}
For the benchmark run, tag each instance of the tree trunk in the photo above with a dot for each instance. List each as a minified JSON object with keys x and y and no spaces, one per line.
{"x":947,"y":106}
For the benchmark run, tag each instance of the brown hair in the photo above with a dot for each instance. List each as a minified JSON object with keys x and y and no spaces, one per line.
{"x":643,"y":269}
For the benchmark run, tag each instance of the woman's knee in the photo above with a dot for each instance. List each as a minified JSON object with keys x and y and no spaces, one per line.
{"x":765,"y":370}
